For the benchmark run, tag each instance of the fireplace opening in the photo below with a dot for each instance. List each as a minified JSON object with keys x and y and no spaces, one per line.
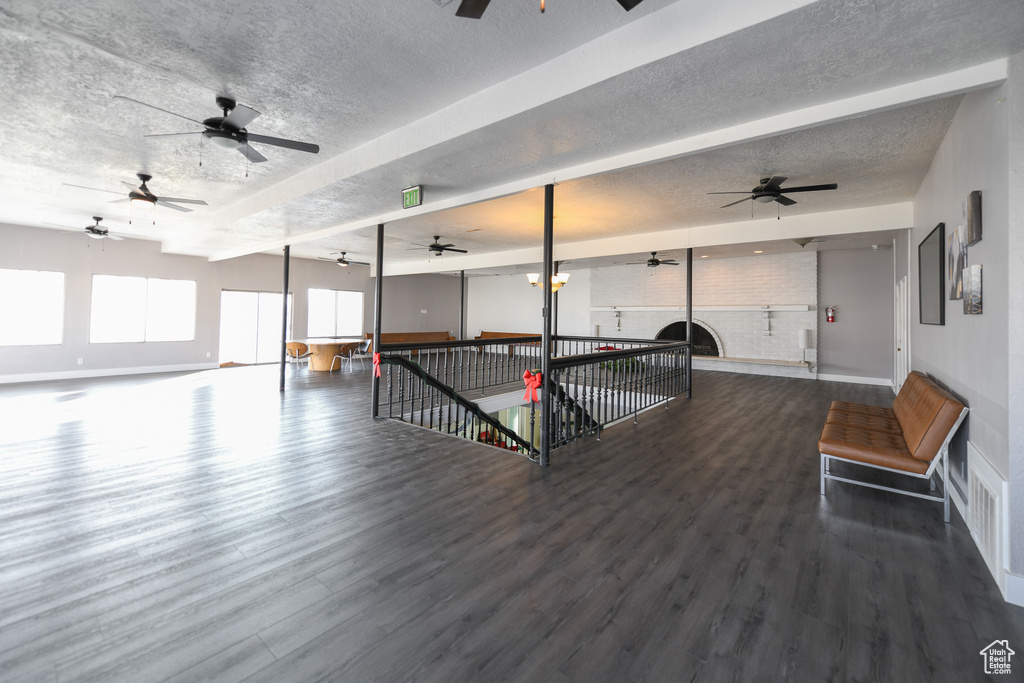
{"x":704,"y":343}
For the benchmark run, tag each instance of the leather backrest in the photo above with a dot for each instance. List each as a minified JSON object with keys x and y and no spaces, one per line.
{"x":926,"y":412}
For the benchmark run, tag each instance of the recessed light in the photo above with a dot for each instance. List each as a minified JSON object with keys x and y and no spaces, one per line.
{"x":704,"y":256}
{"x":759,"y":251}
{"x":475,"y":230}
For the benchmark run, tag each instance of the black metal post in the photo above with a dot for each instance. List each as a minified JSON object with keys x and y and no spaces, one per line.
{"x":462,"y":305}
{"x":378,"y":299}
{"x":284,"y":311}
{"x":689,"y":318}
{"x":554,"y":308}
{"x":545,"y":342}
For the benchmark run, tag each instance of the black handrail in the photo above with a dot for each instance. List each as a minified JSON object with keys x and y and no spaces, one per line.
{"x":455,"y":344}
{"x":600,"y":356}
{"x":468,"y":405}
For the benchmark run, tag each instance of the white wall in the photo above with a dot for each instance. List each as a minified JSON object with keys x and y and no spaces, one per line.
{"x":979,"y":357}
{"x":860,"y":341}
{"x":767,"y":279}
{"x":80,"y":257}
{"x":507,"y":303}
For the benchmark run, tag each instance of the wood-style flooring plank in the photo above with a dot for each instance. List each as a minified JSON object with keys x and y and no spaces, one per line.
{"x":203,"y":526}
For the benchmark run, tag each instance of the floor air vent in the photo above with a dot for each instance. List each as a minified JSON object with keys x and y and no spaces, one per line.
{"x":988,"y":498}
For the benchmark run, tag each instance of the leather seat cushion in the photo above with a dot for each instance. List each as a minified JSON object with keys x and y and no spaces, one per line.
{"x":857,"y":415}
{"x":873,"y":447}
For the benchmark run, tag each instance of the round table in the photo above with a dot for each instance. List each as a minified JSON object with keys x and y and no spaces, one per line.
{"x":324,"y":349}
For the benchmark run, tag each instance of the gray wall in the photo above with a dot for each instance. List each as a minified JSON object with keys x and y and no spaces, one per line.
{"x":859,"y":283}
{"x":80,"y":257}
{"x":974,"y":355}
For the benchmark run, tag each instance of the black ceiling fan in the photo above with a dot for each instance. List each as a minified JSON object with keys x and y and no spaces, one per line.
{"x":143,"y":194}
{"x":229,"y":131}
{"x":94,"y":231}
{"x":342,"y":261}
{"x":439,"y":249}
{"x":474,"y":9}
{"x":654,"y":261}
{"x":770,"y":190}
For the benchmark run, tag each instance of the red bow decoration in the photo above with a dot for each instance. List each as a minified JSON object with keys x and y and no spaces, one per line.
{"x":532,"y":383}
{"x":376,"y":365}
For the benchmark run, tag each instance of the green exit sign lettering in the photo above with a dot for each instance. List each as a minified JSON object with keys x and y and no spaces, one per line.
{"x":412,"y":196}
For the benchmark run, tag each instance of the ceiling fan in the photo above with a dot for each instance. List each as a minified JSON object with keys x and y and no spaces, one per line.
{"x":94,"y":231}
{"x":143,"y":194}
{"x":229,"y":131}
{"x":770,"y":191}
{"x":439,"y":249}
{"x":474,"y":9}
{"x":342,"y":261}
{"x":654,"y":261}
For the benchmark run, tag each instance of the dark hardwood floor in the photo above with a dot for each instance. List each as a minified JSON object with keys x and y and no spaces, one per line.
{"x":203,"y":527}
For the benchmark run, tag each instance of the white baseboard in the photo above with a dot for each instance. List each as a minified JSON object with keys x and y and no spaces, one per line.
{"x":104,"y":372}
{"x":851,"y":379}
{"x":1014,"y":589}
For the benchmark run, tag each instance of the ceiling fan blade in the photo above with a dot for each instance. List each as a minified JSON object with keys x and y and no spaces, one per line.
{"x":161,"y":202}
{"x":122,"y":97}
{"x":83,"y":187}
{"x":120,"y":201}
{"x":812,"y":188}
{"x":670,"y":261}
{"x":461,"y":251}
{"x":129,"y":185}
{"x":629,"y":4}
{"x":181,"y":201}
{"x":740,"y":201}
{"x":281,"y":142}
{"x":773,"y":183}
{"x":443,"y":246}
{"x":359,"y":263}
{"x":324,"y":258}
{"x":785,"y":201}
{"x":251,"y":154}
{"x":733,"y":192}
{"x":472,"y":9}
{"x":240,"y":117}
{"x":172,"y":135}
{"x":116,"y":238}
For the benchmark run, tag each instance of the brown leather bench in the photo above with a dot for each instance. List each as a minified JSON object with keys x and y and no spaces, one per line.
{"x":911,"y":438}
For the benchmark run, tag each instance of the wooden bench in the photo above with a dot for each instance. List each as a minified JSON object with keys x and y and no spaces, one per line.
{"x":506,"y":335}
{"x":408,"y":338}
{"x":911,"y":438}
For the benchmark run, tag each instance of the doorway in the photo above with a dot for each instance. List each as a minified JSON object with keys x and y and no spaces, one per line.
{"x":901,"y":309}
{"x":250,"y":327}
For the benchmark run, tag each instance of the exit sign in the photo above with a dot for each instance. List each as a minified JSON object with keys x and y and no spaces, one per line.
{"x":412,"y":196}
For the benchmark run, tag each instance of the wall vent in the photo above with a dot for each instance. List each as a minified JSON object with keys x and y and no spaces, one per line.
{"x":988,"y":501}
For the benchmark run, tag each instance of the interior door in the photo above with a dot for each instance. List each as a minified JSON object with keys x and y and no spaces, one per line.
{"x":901,"y":310}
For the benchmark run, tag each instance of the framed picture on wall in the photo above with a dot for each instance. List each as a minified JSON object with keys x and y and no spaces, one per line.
{"x":972,"y":290}
{"x":930,"y":268}
{"x":972,"y":217}
{"x":956,"y":255}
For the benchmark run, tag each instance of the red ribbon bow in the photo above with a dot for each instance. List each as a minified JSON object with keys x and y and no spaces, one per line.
{"x":376,"y":365}
{"x":532,"y":383}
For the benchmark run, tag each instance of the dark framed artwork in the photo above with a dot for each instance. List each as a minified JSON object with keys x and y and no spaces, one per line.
{"x":972,"y":217}
{"x":931,"y":264}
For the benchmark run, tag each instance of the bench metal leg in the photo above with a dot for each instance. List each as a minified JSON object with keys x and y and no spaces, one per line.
{"x":824,"y":466}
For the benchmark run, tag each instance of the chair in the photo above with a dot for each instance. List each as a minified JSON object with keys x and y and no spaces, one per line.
{"x":294,"y":352}
{"x":350,"y":352}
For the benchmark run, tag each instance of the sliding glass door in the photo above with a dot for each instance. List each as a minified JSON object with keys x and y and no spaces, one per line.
{"x":250,"y":327}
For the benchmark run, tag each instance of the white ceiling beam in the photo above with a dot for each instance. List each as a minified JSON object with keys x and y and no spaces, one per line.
{"x":927,"y":89}
{"x":845,"y":222}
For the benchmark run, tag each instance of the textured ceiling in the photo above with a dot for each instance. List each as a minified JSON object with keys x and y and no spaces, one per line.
{"x":402,"y":92}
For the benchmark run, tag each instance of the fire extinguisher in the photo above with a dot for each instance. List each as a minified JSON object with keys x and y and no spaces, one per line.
{"x":830,"y":314}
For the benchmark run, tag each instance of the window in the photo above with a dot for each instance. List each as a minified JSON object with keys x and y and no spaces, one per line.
{"x":335,"y":313}
{"x":138,"y":309}
{"x":31,"y":307}
{"x":250,"y":326}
